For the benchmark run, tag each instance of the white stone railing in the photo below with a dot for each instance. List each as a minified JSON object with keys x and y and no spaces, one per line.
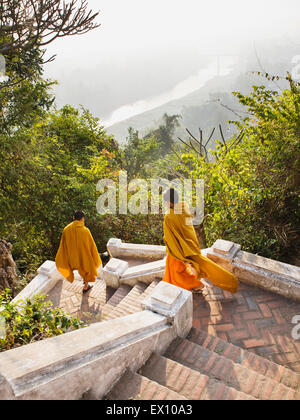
{"x":117,"y":272}
{"x":265,"y":273}
{"x":258,"y":271}
{"x":275,"y":276}
{"x":119,"y":249}
{"x":45,"y":280}
{"x":89,"y":361}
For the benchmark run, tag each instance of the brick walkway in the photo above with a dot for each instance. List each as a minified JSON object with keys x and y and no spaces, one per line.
{"x":88,"y":308}
{"x":70,"y":299}
{"x":254,"y":319}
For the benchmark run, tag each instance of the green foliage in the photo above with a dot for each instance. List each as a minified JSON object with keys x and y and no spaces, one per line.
{"x":141,"y":157}
{"x":36,"y":321}
{"x":21,"y":64}
{"x":138,"y":152}
{"x":51,"y":161}
{"x":140,"y":229}
{"x":164,"y":134}
{"x":47,"y":171}
{"x":252,"y":191}
{"x":24,"y":96}
{"x":24,"y":103}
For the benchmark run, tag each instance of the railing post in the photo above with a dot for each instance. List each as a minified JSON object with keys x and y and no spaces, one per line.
{"x":175,"y":304}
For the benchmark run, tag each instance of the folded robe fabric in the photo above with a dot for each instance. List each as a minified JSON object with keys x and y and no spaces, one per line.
{"x":182,"y":244}
{"x":77,"y":251}
{"x":177,"y":275}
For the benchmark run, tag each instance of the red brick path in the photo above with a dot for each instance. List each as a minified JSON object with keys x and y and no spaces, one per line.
{"x":256,"y":320}
{"x":70,"y":299}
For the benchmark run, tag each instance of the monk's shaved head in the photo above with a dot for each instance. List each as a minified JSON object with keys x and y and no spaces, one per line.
{"x":78,"y":215}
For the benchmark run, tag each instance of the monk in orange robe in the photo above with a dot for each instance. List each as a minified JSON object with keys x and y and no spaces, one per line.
{"x":78,"y":251}
{"x":185,"y":265}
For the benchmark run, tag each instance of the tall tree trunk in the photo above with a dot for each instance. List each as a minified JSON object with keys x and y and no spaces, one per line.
{"x":8,"y":269}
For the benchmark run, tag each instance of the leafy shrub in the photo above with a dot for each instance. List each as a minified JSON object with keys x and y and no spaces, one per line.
{"x":36,"y":321}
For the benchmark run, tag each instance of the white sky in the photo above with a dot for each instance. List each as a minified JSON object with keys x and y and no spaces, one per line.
{"x":150,"y":30}
{"x":127,"y":26}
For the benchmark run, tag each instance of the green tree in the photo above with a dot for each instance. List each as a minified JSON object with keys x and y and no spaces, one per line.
{"x":49,"y":170}
{"x":164,"y":134}
{"x":138,"y":152}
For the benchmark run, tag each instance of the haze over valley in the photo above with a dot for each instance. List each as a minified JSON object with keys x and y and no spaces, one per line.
{"x":139,"y":65}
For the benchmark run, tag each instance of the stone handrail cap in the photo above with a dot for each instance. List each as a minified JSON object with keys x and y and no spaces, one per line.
{"x":165,"y":295}
{"x":116,"y":266}
{"x":223,"y":247}
{"x":114,"y":242}
{"x":47,"y":267}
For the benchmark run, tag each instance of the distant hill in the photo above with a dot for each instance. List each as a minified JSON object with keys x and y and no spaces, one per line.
{"x":201,"y":108}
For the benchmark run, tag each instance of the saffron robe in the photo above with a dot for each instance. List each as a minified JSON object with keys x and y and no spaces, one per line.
{"x":182,"y":246}
{"x":78,"y":251}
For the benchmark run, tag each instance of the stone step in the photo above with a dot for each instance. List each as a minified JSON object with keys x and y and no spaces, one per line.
{"x":188,"y":382}
{"x":245,"y":358}
{"x":127,"y":305}
{"x":114,"y":301}
{"x":225,"y":370}
{"x":144,"y":273}
{"x":132,"y":301}
{"x":133,"y":386}
{"x":101,"y":292}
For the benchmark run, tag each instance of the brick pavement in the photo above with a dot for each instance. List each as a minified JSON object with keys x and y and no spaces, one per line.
{"x":221,"y":368}
{"x":254,"y":319}
{"x":69,"y":298}
{"x":133,"y":386}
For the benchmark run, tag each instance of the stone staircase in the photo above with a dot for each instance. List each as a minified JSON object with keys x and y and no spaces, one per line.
{"x":129,"y":303}
{"x":199,"y":367}
{"x":189,"y":370}
{"x":102,"y":303}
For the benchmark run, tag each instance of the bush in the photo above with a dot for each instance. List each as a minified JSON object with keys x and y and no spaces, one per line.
{"x":36,"y":321}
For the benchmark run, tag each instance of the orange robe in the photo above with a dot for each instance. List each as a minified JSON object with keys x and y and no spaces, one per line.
{"x":78,"y":251}
{"x":182,"y":246}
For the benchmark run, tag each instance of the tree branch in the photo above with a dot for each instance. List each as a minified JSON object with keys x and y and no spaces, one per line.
{"x":36,"y":23}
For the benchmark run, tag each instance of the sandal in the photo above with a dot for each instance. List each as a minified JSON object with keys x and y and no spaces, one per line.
{"x":198,"y":291}
{"x":86,"y":290}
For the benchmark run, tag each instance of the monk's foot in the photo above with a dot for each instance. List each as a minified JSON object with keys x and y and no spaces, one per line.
{"x":86,"y":288}
{"x":199,"y":290}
